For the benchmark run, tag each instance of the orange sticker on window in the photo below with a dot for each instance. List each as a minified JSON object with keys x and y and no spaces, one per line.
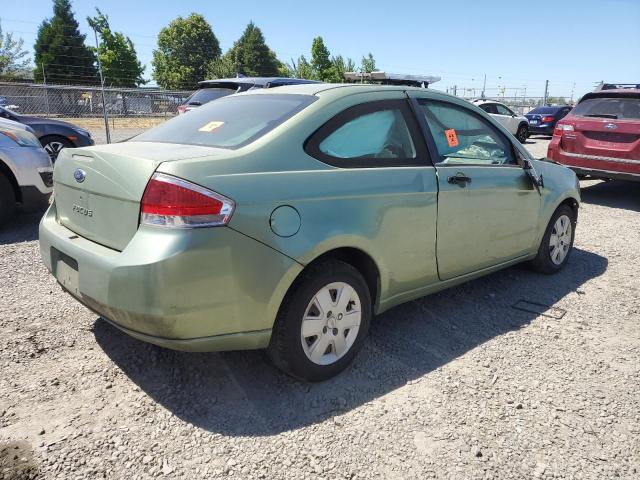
{"x":452,"y":138}
{"x":210,"y":127}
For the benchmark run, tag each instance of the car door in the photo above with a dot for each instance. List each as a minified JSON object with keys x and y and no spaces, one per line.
{"x":487,"y":206}
{"x":384,"y":182}
{"x":507,"y":118}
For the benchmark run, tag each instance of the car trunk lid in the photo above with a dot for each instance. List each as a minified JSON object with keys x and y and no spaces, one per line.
{"x":98,"y":189}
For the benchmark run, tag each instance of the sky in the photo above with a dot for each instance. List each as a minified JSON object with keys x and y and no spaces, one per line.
{"x":517,"y":45}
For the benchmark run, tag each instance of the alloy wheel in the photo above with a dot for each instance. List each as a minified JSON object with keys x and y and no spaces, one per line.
{"x":331,"y":323}
{"x":560,"y":239}
{"x":53,"y":149}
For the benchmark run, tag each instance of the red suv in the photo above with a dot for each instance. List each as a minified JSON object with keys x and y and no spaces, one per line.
{"x":601,"y":136}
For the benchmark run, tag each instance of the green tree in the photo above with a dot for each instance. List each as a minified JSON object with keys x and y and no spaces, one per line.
{"x":301,"y":69}
{"x":249,"y":56}
{"x":368,"y":64}
{"x":320,"y":60}
{"x":120,"y":64}
{"x":186,"y":47}
{"x":60,"y":50}
{"x":13,"y":58}
{"x":338,"y":67}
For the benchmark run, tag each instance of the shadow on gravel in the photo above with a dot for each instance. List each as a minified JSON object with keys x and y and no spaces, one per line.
{"x":239,"y":393}
{"x":22,"y":228}
{"x":614,"y":194}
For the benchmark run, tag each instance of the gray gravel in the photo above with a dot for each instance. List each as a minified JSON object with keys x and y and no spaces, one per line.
{"x":457,"y":385}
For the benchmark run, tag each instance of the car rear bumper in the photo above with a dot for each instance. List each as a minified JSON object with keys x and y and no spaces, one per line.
{"x":196,"y":290}
{"x":541,"y":129}
{"x":606,"y":174}
{"x":596,"y":166}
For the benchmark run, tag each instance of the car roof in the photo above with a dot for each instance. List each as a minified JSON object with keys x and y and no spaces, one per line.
{"x":614,"y":92}
{"x":483,"y":101}
{"x":252,"y":81}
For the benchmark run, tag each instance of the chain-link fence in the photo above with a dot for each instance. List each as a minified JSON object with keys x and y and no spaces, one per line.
{"x":520,"y":105}
{"x":129,"y":110}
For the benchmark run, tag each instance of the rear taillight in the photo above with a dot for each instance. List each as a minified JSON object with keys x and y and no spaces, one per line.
{"x":547,"y":119}
{"x":175,"y":203}
{"x":182,"y":108}
{"x":562,"y":127}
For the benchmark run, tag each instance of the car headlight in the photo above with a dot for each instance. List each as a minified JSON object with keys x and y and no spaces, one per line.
{"x":21,"y":137}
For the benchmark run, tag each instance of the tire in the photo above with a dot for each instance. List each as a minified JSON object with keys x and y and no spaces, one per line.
{"x":317,"y":354}
{"x":548,"y":259}
{"x":522,"y":133}
{"x":8,"y":202}
{"x":53,"y":144}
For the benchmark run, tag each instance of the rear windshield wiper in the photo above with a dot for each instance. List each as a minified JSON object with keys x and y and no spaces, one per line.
{"x":603,"y":115}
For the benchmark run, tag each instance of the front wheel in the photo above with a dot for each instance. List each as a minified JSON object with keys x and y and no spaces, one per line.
{"x":7,"y":200}
{"x":557,"y":241}
{"x":54,"y":144}
{"x":322,"y":322}
{"x":523,"y":133}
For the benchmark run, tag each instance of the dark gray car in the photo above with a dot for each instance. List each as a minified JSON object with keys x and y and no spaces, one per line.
{"x":209,"y":90}
{"x":54,"y":135}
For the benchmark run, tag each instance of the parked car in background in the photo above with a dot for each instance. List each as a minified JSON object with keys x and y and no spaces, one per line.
{"x":516,"y":124}
{"x":284,"y":219}
{"x":542,"y":120}
{"x":25,"y":170}
{"x":600,"y":137}
{"x":54,"y":135}
{"x":213,"y":89}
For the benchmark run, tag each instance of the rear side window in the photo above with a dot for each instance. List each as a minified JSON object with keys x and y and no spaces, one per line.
{"x":462,"y":137}
{"x":230,"y":122}
{"x":380,"y":133}
{"x":621,"y":108}
{"x":502,"y":110}
{"x":489,"y":108}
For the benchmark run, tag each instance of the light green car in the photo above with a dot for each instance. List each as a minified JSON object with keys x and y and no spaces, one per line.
{"x":286,"y":218}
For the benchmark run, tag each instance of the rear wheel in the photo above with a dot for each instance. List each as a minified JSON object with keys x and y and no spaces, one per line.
{"x":523,"y":133}
{"x":322,"y":322}
{"x":7,"y":200}
{"x":557,"y":242}
{"x":53,"y":144}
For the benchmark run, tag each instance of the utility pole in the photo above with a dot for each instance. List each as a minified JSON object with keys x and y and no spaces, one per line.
{"x":455,"y":90}
{"x":46,"y":90}
{"x":484,"y":85}
{"x":572,"y":89}
{"x":104,"y":102}
{"x":546,"y":92}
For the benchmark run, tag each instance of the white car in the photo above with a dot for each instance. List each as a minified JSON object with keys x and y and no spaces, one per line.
{"x":516,"y":124}
{"x":26,"y":173}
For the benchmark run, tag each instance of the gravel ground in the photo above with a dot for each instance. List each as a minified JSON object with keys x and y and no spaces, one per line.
{"x":456,"y":385}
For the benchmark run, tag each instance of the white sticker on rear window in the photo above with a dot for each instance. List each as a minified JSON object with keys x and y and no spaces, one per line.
{"x":210,"y":127}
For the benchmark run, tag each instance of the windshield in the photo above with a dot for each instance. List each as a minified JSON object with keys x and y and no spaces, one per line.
{"x":230,"y":122}
{"x":205,"y":95}
{"x":621,"y":108}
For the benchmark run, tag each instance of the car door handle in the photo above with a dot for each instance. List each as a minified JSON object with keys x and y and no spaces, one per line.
{"x":459,"y":179}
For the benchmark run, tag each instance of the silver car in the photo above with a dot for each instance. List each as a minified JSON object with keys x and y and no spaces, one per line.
{"x":26,"y":173}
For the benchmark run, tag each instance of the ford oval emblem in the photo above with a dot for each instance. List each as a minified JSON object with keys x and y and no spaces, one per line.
{"x":79,"y":175}
{"x":610,"y":126}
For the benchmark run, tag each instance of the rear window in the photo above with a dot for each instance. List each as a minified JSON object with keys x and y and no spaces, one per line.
{"x":205,"y":95}
{"x":621,"y":108}
{"x":544,"y":111}
{"x":231,"y":122}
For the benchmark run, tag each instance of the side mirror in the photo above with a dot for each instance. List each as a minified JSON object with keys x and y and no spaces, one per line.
{"x":536,"y":179}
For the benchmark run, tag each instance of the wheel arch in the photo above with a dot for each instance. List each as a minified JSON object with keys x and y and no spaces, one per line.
{"x":358,"y":259}
{"x":6,"y":171}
